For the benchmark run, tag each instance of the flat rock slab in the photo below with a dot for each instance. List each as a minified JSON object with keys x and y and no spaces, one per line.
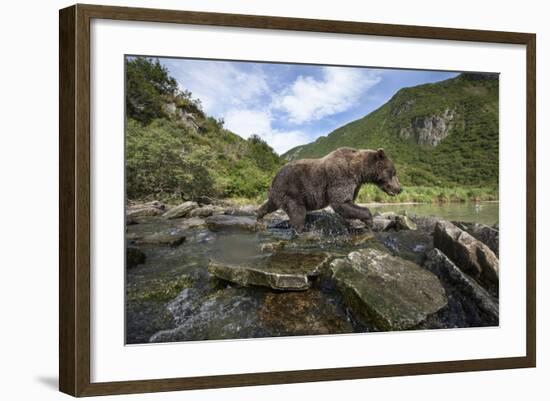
{"x":290,"y":271}
{"x":389,"y":292}
{"x":224,"y":222}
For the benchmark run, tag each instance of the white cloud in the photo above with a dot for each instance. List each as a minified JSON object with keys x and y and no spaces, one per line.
{"x":309,"y":99}
{"x":283,"y":141}
{"x":220,"y":85}
{"x":247,"y":98}
{"x":247,"y":122}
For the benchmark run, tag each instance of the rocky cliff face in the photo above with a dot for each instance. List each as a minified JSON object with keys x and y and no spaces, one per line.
{"x":187,"y":118}
{"x":430,"y":130}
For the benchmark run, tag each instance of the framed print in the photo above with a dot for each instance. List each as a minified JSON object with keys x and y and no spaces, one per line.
{"x":250,"y":200}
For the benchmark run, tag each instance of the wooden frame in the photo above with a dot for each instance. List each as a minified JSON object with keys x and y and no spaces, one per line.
{"x":74,"y":199}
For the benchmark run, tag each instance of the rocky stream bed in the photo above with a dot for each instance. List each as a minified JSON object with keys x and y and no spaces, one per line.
{"x":212,"y":271}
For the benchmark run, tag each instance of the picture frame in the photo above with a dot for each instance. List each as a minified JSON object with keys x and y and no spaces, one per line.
{"x":75,"y":201}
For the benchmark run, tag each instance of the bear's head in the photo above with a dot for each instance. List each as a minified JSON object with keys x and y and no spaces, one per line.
{"x":384,"y":174}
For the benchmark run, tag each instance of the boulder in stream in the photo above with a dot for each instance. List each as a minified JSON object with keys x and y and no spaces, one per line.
{"x":323,"y":222}
{"x":470,"y":305}
{"x":486,"y":234}
{"x":206,"y":211}
{"x":389,"y":292}
{"x":469,"y":254}
{"x":246,"y":210}
{"x":154,"y":208}
{"x":181,"y":210}
{"x":391,"y":220}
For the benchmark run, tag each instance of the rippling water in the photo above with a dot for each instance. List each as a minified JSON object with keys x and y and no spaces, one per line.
{"x":485,"y":212}
{"x":173,"y":290}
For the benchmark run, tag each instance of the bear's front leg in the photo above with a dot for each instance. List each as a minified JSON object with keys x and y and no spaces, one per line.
{"x":349,"y":210}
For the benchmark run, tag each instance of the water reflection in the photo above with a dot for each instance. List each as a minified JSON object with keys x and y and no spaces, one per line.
{"x":485,"y":212}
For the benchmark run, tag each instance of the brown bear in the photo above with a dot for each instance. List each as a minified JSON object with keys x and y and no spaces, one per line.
{"x":312,"y":184}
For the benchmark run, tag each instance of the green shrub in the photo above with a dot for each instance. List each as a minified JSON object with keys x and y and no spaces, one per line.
{"x":158,"y":163}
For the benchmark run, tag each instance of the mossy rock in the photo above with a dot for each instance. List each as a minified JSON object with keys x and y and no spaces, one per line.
{"x":386,"y":291}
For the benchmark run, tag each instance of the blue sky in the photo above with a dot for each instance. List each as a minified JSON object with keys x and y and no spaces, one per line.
{"x":289,"y":104}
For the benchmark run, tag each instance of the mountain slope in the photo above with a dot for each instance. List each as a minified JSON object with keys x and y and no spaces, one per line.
{"x":174,"y":150}
{"x":439,"y":134}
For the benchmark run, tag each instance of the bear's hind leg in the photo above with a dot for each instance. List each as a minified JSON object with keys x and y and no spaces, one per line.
{"x":296,"y":214}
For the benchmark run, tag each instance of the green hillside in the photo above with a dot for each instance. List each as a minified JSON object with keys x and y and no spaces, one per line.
{"x":175,"y":151}
{"x":443,"y":134}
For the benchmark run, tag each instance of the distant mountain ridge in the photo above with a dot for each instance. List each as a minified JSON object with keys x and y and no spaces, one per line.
{"x":442,"y":134}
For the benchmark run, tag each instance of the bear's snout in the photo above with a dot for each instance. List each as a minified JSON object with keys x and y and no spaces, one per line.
{"x":392,"y":187}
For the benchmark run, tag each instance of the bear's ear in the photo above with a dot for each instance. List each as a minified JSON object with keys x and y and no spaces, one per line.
{"x":380,"y":153}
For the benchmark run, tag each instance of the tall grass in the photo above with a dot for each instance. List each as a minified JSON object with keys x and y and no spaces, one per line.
{"x":420,"y":194}
{"x":417,"y":194}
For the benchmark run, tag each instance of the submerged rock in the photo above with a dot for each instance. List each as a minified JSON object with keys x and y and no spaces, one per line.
{"x":193,"y":222}
{"x":154,"y":208}
{"x":469,"y":303}
{"x":270,"y":247}
{"x":224,"y":314}
{"x":161,"y":239}
{"x":181,"y":210}
{"x":302,"y":313}
{"x":389,"y":292}
{"x":223,"y":222}
{"x":290,"y":271}
{"x":134,"y":257}
{"x":361,"y":239}
{"x":469,"y":254}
